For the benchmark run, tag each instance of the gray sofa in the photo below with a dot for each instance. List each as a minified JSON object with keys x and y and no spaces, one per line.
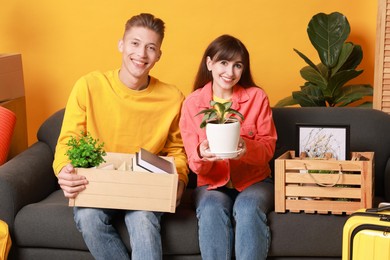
{"x":42,"y":224}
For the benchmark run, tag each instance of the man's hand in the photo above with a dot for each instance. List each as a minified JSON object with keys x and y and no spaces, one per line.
{"x":71,"y":183}
{"x":180,"y":190}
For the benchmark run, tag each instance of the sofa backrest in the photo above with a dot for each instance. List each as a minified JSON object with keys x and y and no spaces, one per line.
{"x":50,"y":129}
{"x":369,"y":131}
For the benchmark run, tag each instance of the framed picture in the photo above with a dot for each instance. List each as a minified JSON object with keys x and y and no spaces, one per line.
{"x":318,"y":141}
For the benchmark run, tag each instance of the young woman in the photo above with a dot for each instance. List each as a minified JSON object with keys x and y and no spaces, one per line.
{"x":233,"y":195}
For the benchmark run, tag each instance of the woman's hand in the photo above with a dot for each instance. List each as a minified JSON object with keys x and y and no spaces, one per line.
{"x":204,"y":152}
{"x":241,"y":149}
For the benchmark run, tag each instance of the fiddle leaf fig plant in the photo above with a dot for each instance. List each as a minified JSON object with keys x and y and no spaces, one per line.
{"x":326,"y":82}
{"x":85,"y":152}
{"x":219,"y":113}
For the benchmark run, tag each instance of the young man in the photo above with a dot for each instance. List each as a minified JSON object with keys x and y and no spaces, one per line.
{"x":126,"y":109}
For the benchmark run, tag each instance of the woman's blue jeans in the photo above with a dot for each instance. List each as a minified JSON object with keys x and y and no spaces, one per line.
{"x":227,"y":217}
{"x":104,"y":242}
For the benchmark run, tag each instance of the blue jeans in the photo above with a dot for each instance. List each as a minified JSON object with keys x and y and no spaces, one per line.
{"x":227,"y":217}
{"x":104,"y":242}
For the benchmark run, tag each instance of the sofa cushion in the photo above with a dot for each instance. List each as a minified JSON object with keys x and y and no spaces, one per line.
{"x":49,"y":224}
{"x":301,"y":234}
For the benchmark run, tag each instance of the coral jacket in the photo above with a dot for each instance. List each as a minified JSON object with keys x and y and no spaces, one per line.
{"x":258,"y":131}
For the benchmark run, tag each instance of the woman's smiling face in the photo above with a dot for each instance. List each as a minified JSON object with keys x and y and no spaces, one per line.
{"x":226,"y":73}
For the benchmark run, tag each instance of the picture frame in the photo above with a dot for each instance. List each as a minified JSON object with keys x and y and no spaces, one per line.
{"x":320,"y":141}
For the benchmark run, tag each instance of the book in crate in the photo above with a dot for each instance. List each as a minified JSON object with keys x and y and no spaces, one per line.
{"x":117,"y":185}
{"x":324,"y":186}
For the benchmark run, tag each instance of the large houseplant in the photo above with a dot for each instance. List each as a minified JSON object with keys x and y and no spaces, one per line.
{"x":85,"y":151}
{"x":222,"y":128}
{"x":326,"y":82}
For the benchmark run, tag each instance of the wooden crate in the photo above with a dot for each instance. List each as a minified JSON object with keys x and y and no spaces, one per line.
{"x":297,"y":182}
{"x":122,"y":188}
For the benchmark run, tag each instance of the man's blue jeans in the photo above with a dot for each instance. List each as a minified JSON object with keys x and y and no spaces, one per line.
{"x":104,"y":242}
{"x":227,"y":217}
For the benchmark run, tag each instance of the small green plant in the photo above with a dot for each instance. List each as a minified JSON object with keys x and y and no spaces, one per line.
{"x":85,"y":152}
{"x":219,"y":113}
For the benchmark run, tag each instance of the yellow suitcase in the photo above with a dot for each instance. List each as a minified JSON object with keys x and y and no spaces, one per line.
{"x":366,"y":235}
{"x":5,"y":240}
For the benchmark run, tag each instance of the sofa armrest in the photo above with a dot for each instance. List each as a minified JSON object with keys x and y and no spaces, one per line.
{"x":25,"y":179}
{"x":386,"y":176}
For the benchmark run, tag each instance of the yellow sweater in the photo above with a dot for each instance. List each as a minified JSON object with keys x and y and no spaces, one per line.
{"x":124,"y":119}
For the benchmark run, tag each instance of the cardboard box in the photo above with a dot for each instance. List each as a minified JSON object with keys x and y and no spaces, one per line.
{"x":315,"y":186}
{"x":123,"y":188}
{"x":11,"y":77}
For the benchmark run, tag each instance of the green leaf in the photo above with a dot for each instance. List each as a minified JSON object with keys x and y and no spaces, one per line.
{"x":287,"y":101}
{"x":340,"y":78}
{"x":227,"y":105}
{"x":313,"y":76}
{"x":354,"y":58}
{"x":366,"y":105}
{"x":309,"y":96}
{"x":344,"y":55}
{"x":206,"y":111}
{"x":328,"y":33}
{"x":307,"y":60}
{"x":235,"y":112}
{"x":352,"y":93}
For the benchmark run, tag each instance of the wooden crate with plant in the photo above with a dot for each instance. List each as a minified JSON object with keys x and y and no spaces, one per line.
{"x":323,"y":185}
{"x":112,"y":182}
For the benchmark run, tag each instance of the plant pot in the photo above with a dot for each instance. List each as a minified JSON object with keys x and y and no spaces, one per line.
{"x":223,"y":138}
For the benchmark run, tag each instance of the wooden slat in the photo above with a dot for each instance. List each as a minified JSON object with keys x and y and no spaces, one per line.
{"x":323,"y":192}
{"x":323,"y":206}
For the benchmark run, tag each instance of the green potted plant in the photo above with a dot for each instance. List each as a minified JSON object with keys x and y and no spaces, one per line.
{"x":222,"y":125}
{"x":85,"y":151}
{"x":326,"y":82}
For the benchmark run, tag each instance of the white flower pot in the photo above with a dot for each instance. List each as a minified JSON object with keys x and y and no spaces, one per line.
{"x":223,"y":138}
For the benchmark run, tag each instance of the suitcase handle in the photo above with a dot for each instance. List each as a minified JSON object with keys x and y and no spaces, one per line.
{"x":380,"y":209}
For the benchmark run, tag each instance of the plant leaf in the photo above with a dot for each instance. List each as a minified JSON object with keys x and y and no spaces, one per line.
{"x":314,"y":76}
{"x":287,"y":101}
{"x":354,"y":58}
{"x":352,"y":93}
{"x":328,"y":33}
{"x":345,"y":52}
{"x":235,"y":112}
{"x":307,"y":60}
{"x":309,"y":96}
{"x":227,"y":105}
{"x":340,"y":78}
{"x":205,"y":111}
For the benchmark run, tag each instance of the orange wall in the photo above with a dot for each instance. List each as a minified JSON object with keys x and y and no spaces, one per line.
{"x":63,"y":40}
